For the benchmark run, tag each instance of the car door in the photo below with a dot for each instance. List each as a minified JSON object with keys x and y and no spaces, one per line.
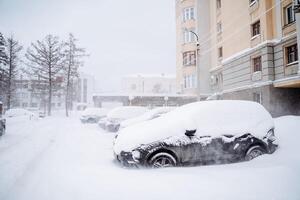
{"x":193,"y":148}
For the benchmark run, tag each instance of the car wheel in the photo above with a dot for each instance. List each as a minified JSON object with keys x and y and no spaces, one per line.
{"x":162,"y":160}
{"x":254,"y":152}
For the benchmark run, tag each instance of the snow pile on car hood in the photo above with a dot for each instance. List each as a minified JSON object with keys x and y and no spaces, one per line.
{"x":126,"y":112}
{"x":213,"y":118}
{"x":147,"y":116}
{"x":95,"y":112}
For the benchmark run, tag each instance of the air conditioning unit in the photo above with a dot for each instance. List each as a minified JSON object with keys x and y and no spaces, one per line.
{"x":213,"y":80}
{"x":297,"y":5}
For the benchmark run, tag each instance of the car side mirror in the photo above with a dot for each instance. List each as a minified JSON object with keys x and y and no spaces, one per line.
{"x":190,"y":133}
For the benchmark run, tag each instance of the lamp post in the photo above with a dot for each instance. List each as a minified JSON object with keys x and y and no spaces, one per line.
{"x":166,"y":100}
{"x":197,"y":63}
{"x":130,"y":98}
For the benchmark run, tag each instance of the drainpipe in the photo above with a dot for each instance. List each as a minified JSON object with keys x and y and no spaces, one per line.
{"x":297,"y":13}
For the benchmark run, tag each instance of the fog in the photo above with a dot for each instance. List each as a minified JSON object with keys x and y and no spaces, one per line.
{"x":122,"y":37}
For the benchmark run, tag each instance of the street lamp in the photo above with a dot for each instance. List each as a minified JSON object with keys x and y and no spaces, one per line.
{"x":130,"y":98}
{"x":197,"y":60}
{"x":166,"y":100}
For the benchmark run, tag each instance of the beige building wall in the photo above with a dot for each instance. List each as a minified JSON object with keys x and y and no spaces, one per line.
{"x":181,"y":47}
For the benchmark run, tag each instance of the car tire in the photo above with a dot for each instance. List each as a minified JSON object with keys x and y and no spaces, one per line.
{"x":162,"y":160}
{"x":254,"y":152}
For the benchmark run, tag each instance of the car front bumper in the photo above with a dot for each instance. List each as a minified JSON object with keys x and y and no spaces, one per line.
{"x":126,"y":159}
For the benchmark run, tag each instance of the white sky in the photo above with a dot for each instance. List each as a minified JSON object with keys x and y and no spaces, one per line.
{"x":122,"y":36}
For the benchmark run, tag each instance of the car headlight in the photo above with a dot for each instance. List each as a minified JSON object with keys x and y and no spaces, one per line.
{"x":270,"y":135}
{"x":136,"y":154}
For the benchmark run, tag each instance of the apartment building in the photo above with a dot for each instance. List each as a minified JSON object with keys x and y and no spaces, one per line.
{"x":252,"y":46}
{"x":84,"y":87}
{"x":30,"y":93}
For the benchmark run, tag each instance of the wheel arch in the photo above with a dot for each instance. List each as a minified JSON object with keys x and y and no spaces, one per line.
{"x":161,"y":150}
{"x":256,"y":143}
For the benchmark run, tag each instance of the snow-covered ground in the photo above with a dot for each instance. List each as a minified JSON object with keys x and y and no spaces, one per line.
{"x":59,"y":158}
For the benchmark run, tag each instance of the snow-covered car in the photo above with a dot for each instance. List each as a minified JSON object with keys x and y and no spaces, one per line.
{"x":2,"y":121}
{"x":119,"y":114}
{"x":93,"y":115}
{"x":152,"y":114}
{"x":102,"y":123}
{"x":198,"y":133}
{"x":42,"y":114}
{"x":18,"y":112}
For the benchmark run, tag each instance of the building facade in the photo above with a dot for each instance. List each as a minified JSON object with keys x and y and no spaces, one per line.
{"x":253,"y":52}
{"x":149,"y":84}
{"x":31,"y":94}
{"x":84,"y":87}
{"x":192,"y":69}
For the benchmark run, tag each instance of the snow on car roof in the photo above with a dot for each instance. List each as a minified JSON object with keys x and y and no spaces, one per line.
{"x":213,"y":118}
{"x":126,"y":112}
{"x":95,"y":111}
{"x":146,"y":116}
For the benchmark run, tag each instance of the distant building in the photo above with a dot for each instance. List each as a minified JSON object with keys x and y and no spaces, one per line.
{"x":149,"y":84}
{"x":30,"y":93}
{"x":84,"y":88}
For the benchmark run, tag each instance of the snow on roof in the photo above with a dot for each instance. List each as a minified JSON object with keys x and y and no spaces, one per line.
{"x":147,"y":116}
{"x":213,"y":118}
{"x":126,"y":112}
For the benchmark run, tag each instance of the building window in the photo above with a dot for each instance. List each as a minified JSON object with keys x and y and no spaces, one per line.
{"x":189,"y":58}
{"x":190,"y":81}
{"x":220,"y":52}
{"x":289,"y":14}
{"x":219,"y":4}
{"x":257,"y":64}
{"x":257,"y":97}
{"x":188,"y":36}
{"x":292,"y":54}
{"x":255,"y":28}
{"x":219,"y":27}
{"x":188,"y":14}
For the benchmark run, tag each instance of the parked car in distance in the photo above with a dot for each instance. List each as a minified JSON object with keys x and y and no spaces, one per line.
{"x":205,"y":132}
{"x":119,"y":114}
{"x":42,"y":114}
{"x":151,"y":114}
{"x":2,"y":120}
{"x":93,"y":115}
{"x":20,"y":112}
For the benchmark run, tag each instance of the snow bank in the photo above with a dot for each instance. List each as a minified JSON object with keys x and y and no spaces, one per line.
{"x":147,"y":116}
{"x":212,"y":118}
{"x":126,"y":112}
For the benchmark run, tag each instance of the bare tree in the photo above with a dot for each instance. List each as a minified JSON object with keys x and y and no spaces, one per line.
{"x":46,"y":61}
{"x":13,"y":49}
{"x":3,"y":63}
{"x":73,"y":55}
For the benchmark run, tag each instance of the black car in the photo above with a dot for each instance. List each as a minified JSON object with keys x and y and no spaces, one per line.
{"x":195,"y":146}
{"x":194,"y":150}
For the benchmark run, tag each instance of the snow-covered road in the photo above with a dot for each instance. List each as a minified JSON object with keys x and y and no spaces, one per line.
{"x":58,"y":158}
